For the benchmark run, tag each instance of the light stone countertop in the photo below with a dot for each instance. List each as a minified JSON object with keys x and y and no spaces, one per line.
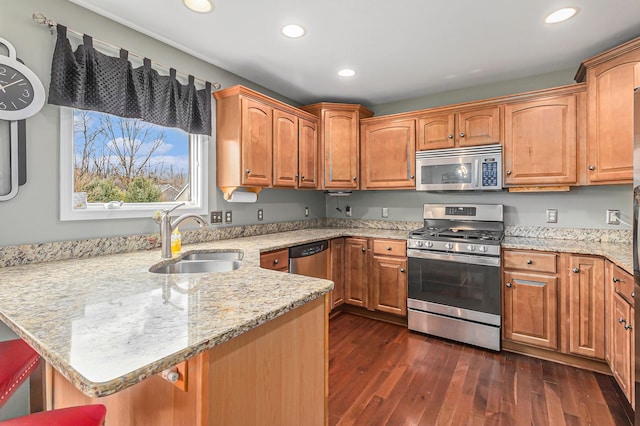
{"x":107,"y":323}
{"x":620,"y":253}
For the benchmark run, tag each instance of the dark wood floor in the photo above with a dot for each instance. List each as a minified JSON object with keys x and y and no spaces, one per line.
{"x":383,"y":374}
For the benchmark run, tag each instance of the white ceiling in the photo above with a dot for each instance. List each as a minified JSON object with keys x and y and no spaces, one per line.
{"x":400,"y":49}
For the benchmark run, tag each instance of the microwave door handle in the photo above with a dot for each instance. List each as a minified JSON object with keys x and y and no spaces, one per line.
{"x":475,"y":176}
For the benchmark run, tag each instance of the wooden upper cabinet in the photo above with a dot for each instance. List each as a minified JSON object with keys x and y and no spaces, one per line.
{"x":256,"y":143}
{"x":285,"y":149}
{"x":540,"y":141}
{"x":388,"y":154}
{"x":585,"y":298}
{"x":339,"y":142}
{"x":308,"y":154}
{"x":610,"y":82}
{"x":467,"y":127}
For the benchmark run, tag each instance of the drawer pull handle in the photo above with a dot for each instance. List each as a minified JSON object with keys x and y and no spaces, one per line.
{"x":627,"y":327}
{"x":276,"y":261}
{"x":576,"y":270}
{"x":622,"y":320}
{"x":509,"y":285}
{"x":529,"y":262}
{"x":389,"y":248}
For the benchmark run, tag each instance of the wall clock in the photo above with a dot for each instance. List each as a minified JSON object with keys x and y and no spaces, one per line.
{"x":21,"y":96}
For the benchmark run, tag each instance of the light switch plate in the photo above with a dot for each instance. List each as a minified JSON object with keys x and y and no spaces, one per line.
{"x":216,"y":217}
{"x":612,"y":217}
{"x":260,"y":214}
{"x":228,"y":217}
{"x":306,"y":212}
{"x":347,"y":211}
{"x":385,"y":212}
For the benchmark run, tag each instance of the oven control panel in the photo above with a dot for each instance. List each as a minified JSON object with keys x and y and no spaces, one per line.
{"x":451,"y":247}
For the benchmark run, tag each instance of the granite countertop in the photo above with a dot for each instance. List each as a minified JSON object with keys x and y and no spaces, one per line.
{"x":107,"y":323}
{"x":620,"y":253}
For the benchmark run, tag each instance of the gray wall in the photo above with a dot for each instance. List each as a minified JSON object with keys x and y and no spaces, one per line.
{"x":33,"y":215}
{"x":583,"y":207}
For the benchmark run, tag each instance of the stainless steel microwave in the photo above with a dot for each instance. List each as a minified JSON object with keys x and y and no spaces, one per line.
{"x":477,"y":168}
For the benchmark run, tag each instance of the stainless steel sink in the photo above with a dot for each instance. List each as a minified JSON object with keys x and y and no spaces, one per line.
{"x":207,"y":262}
{"x":214,"y":255}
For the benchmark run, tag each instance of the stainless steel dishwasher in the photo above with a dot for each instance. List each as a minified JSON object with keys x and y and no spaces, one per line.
{"x":311,"y":260}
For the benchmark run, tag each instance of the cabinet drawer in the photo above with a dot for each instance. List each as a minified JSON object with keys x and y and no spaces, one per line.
{"x":278,"y":260}
{"x":390,"y":247}
{"x":530,"y":261}
{"x":623,"y":283}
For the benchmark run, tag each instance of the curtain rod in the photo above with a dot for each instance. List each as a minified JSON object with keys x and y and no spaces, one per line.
{"x":39,"y":18}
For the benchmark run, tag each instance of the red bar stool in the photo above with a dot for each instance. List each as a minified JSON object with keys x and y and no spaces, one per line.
{"x":17,"y":362}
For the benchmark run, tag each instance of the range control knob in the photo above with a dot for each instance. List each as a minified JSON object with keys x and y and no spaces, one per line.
{"x":419,"y":243}
{"x":482,"y":248}
{"x":448,"y":246}
{"x":471,"y":247}
{"x":429,"y":244}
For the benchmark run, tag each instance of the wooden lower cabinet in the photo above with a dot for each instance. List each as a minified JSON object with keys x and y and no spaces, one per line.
{"x":337,"y":247}
{"x":275,"y":374}
{"x":278,"y":260}
{"x":585,"y":306}
{"x":355,"y":272}
{"x":376,"y":274}
{"x":531,"y":308}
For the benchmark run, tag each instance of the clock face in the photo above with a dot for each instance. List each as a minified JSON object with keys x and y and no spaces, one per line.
{"x":16,"y":91}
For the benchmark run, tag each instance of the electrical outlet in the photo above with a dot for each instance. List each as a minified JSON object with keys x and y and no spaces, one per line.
{"x":347,"y":211}
{"x":227,"y":217}
{"x":260,"y":214}
{"x":612,"y":217}
{"x":216,"y":217}
{"x":552,"y":216}
{"x":306,"y":212}
{"x":385,"y":212}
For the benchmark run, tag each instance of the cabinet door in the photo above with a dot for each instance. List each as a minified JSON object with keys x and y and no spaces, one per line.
{"x":355,"y":272}
{"x":436,"y":132}
{"x":531,"y":309}
{"x":610,"y":120}
{"x":337,"y":246}
{"x":285,"y":149}
{"x":585,"y":292}
{"x":388,"y":155}
{"x":308,"y":153}
{"x":257,"y":139}
{"x":478,"y":127}
{"x":389,"y":284}
{"x":622,"y":344}
{"x":341,"y":149}
{"x":277,"y":260}
{"x":540,"y":142}
{"x":609,"y":312}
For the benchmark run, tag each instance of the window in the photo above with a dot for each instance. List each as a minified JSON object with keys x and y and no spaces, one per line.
{"x":106,"y":160}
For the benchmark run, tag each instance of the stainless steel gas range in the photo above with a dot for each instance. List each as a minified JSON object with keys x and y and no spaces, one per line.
{"x":454,"y":273}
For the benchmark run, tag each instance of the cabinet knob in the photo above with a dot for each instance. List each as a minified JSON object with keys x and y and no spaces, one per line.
{"x":627,"y":327}
{"x":389,"y":248}
{"x":622,"y":320}
{"x":633,"y":294}
{"x":592,"y":167}
{"x":462,"y":134}
{"x":412,"y":177}
{"x":364,"y":249}
{"x":276,"y":261}
{"x":576,"y":270}
{"x":355,"y":178}
{"x":402,"y":270}
{"x":450,"y":136}
{"x":509,"y":285}
{"x":302,"y":177}
{"x":508,"y":172}
{"x":248,"y":171}
{"x":616,"y":279}
{"x":529,"y":261}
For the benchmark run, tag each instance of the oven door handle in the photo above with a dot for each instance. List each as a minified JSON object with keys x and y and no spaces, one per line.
{"x":451,"y":257}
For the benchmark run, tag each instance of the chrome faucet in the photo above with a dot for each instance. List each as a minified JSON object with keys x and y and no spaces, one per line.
{"x":167,"y":227}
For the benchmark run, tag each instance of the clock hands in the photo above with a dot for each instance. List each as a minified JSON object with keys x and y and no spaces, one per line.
{"x":10,"y":84}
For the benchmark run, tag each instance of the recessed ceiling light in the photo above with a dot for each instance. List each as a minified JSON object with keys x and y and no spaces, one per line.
{"x":346,"y":72}
{"x":561,"y":15}
{"x":293,"y":31}
{"x":200,"y":6}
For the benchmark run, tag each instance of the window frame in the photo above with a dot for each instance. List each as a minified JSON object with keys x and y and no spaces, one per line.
{"x":96,"y":211}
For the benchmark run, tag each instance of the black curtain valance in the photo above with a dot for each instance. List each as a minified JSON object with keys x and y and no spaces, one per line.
{"x":88,"y":79}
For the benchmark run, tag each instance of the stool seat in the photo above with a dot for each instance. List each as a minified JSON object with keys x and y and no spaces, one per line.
{"x":17,"y":362}
{"x":84,"y":415}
